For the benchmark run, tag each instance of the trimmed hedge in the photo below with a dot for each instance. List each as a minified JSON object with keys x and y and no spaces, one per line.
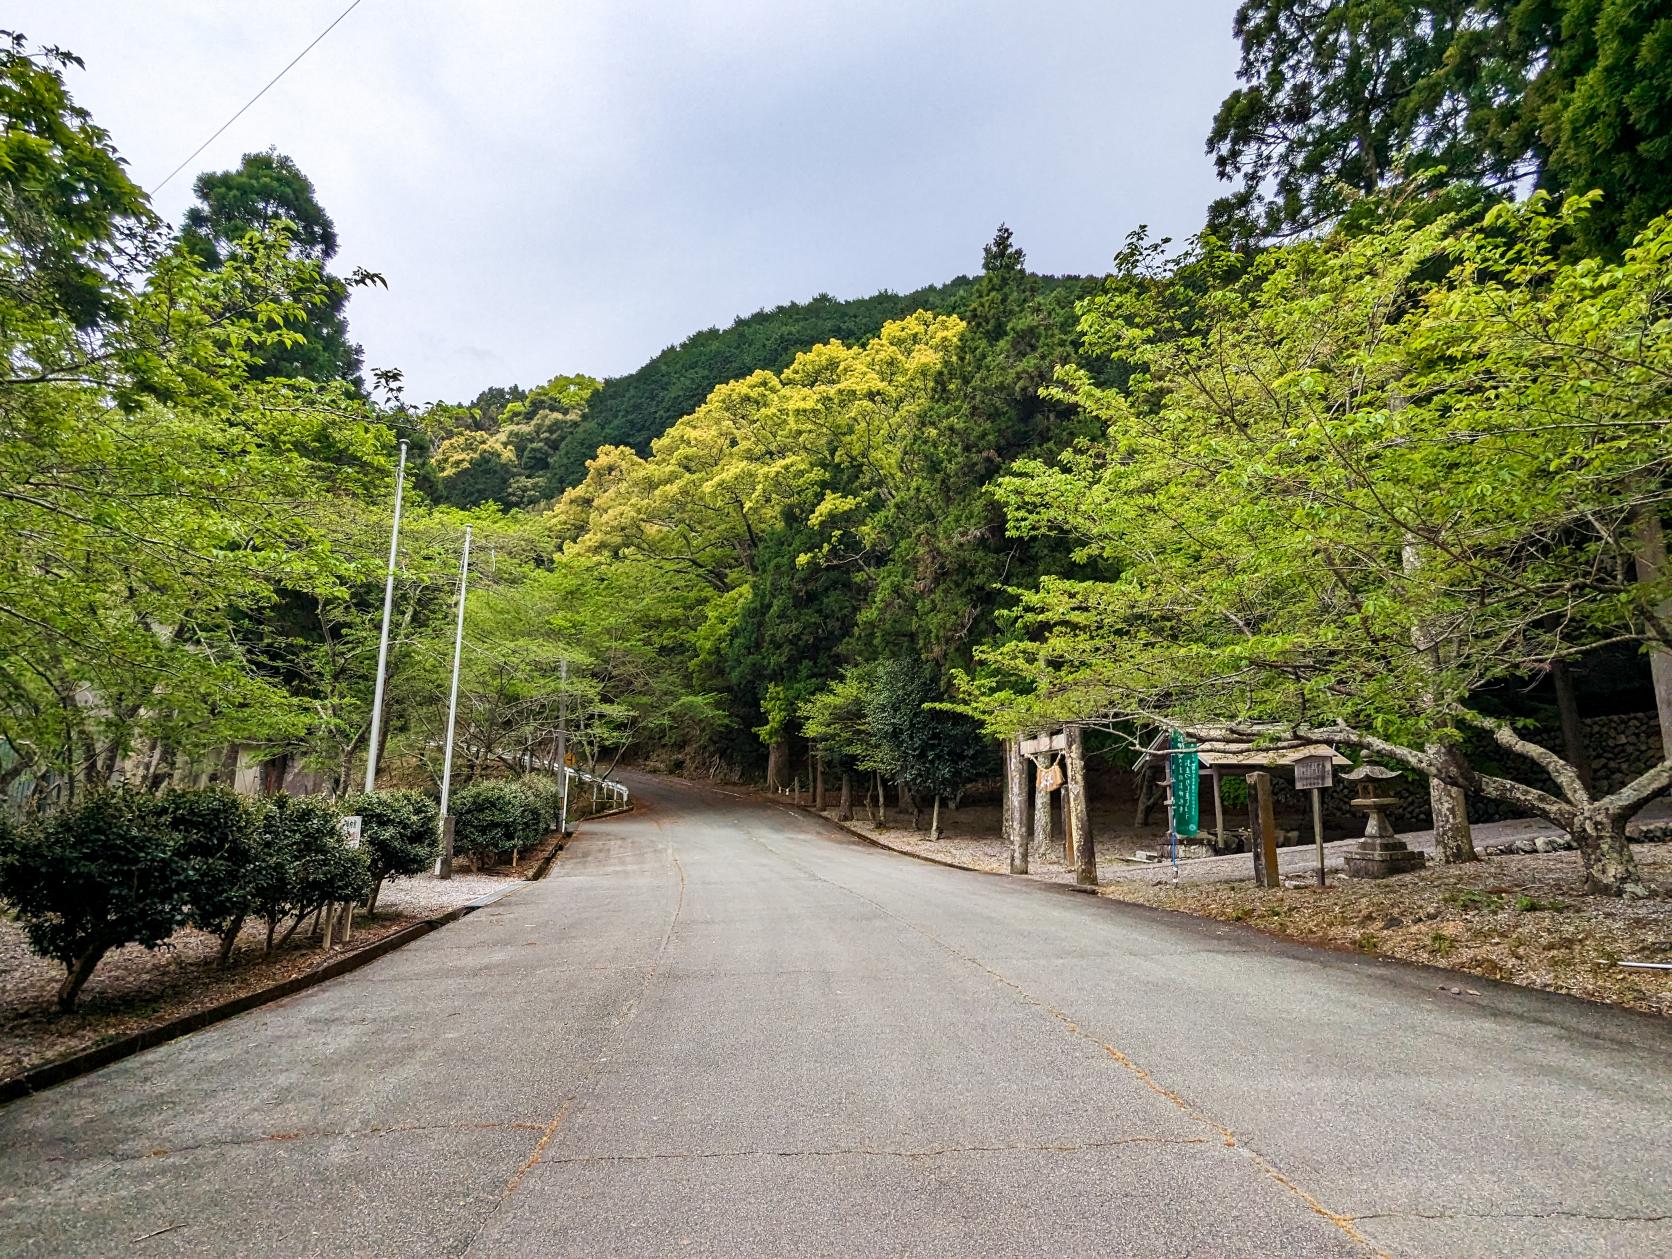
{"x":219,"y":836}
{"x":121,"y":867}
{"x":101,"y":873}
{"x":400,"y":833}
{"x":494,"y":818}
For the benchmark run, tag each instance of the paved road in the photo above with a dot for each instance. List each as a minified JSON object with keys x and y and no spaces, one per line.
{"x":721,"y":1028}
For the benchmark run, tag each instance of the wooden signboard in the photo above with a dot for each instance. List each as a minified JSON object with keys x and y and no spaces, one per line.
{"x":1314,"y":773}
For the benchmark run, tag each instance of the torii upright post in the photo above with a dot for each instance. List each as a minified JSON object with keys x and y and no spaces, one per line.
{"x":1079,"y":812}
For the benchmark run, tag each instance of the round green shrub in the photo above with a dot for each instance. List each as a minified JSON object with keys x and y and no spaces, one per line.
{"x":399,"y":832}
{"x":491,"y":818}
{"x":218,"y":833}
{"x":91,"y":877}
{"x":304,"y":862}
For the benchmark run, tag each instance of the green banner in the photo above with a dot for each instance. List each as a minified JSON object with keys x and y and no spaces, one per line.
{"x":1187,"y":786}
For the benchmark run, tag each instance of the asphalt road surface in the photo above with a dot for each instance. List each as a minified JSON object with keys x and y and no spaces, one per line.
{"x":721,"y":1027}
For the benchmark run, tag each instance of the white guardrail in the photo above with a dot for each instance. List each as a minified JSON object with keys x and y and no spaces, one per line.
{"x":602,"y":788}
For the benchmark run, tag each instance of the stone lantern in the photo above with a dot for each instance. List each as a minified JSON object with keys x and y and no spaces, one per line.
{"x":1381,"y":852}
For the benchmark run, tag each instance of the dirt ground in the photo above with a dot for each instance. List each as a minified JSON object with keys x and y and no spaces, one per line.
{"x":1522,"y":918}
{"x":135,"y":988}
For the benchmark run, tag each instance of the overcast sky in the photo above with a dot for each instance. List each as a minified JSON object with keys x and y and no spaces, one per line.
{"x":571,"y":186}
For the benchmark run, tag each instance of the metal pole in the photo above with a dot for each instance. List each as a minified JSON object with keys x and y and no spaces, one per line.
{"x":453,"y":708}
{"x":383,"y":639}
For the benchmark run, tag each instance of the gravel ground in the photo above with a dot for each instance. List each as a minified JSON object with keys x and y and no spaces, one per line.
{"x":135,"y":988}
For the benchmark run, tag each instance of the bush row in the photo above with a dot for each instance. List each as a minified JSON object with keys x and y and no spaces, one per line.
{"x":122,"y":867}
{"x":492,"y":820}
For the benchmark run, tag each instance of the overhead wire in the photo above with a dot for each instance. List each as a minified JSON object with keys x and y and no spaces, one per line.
{"x":354,"y":4}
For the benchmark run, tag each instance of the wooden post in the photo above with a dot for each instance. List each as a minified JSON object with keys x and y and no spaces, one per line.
{"x":1268,"y":827}
{"x":1016,"y":804}
{"x":1079,"y":812}
{"x":1318,"y":829}
{"x":444,"y":866}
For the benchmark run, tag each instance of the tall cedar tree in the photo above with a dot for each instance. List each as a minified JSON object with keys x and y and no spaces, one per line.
{"x":939,"y":590}
{"x":1344,"y":98}
{"x":265,"y":188}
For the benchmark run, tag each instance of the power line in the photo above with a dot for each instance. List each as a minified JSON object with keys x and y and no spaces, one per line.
{"x":355,"y":4}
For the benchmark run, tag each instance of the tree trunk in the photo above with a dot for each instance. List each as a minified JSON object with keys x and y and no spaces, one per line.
{"x":882,"y":805}
{"x":934,"y":821}
{"x":272,"y":925}
{"x":78,"y":975}
{"x":1610,"y":868}
{"x":916,"y":805}
{"x":229,"y":938}
{"x":818,"y":783}
{"x":1016,"y":804}
{"x":777,"y":754}
{"x":1078,"y":811}
{"x":1040,"y":842}
{"x":844,"y":811}
{"x":1651,"y":565}
{"x":1452,"y":840}
{"x":371,"y":900}
{"x":1573,"y":734}
{"x":1146,"y":797}
{"x":273,"y":772}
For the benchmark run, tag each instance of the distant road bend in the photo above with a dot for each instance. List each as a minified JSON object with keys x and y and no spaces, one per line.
{"x":721,"y":1027}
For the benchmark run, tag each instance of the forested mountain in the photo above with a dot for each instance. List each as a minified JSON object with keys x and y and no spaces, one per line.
{"x":634,"y":409}
{"x":630,"y":410}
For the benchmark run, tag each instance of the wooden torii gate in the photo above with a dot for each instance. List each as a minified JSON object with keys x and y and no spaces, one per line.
{"x":1059,"y":760}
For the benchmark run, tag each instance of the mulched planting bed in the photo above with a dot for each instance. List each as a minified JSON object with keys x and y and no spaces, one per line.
{"x":134,"y":989}
{"x":1521,"y":919}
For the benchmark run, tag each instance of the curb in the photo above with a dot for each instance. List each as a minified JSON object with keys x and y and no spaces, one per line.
{"x":1078,"y":889}
{"x":63,"y":1070}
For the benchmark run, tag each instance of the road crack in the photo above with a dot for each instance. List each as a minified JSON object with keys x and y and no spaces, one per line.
{"x":938,"y":1151}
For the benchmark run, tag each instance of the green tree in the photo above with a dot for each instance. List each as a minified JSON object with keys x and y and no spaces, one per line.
{"x":947,"y":556}
{"x":1601,"y":110}
{"x":1371,"y":480}
{"x":218,"y":834}
{"x":1345,"y":98}
{"x":267,"y":189}
{"x":400,"y":834}
{"x":91,"y":878}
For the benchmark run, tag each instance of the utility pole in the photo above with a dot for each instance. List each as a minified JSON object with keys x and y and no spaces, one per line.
{"x":445,"y":871}
{"x":383,"y":639}
{"x":563,"y":746}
